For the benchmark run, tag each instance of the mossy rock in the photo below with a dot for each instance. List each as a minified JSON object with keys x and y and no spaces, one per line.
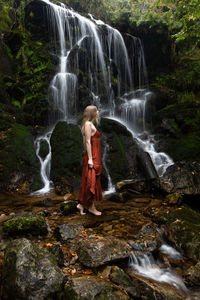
{"x":25,"y":224}
{"x":121,"y":157}
{"x":30,"y":272}
{"x":182,"y":227}
{"x":67,"y":147}
{"x":18,"y":161}
{"x":68,"y":207}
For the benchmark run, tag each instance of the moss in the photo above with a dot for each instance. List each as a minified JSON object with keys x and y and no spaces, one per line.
{"x":17,"y":154}
{"x":25,"y":225}
{"x":69,"y":207}
{"x":187,"y":147}
{"x":183,"y":226}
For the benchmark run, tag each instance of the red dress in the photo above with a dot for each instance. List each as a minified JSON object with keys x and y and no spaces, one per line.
{"x":90,"y":189}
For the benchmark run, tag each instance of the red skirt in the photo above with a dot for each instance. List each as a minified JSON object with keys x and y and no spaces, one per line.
{"x":90,"y":189}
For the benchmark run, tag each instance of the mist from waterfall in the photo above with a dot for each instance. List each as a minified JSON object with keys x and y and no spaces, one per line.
{"x":105,"y":54}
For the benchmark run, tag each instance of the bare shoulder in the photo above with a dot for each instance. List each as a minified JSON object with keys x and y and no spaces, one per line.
{"x":88,"y":124}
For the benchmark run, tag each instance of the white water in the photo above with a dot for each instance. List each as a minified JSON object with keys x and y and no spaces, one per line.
{"x":111,"y":187}
{"x":160,"y":160}
{"x":171,"y":252}
{"x":45,"y":163}
{"x":74,"y":31}
{"x":146,"y":266}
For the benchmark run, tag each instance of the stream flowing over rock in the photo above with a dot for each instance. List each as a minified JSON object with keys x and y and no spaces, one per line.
{"x":30,"y":273}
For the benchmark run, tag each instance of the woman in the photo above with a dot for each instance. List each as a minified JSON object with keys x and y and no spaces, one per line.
{"x":90,"y":185}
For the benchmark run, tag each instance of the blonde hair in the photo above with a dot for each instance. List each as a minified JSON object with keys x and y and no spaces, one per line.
{"x":89,"y":115}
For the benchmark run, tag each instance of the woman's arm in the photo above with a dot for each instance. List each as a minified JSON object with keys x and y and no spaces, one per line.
{"x":88,"y":134}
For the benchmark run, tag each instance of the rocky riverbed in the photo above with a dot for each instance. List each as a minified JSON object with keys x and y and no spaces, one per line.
{"x":49,"y":251}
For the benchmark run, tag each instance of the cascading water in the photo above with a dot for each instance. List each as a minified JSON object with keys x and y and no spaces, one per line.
{"x":146,"y":266}
{"x":105,"y":54}
{"x":111,"y":187}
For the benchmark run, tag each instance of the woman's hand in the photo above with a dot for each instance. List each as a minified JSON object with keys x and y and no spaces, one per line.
{"x":90,"y":163}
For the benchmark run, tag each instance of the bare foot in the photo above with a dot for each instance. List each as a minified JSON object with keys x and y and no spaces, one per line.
{"x":94,"y":211}
{"x":81,"y":208}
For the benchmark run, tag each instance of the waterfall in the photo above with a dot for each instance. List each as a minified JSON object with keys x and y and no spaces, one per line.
{"x":111,"y":187}
{"x":104,"y":55}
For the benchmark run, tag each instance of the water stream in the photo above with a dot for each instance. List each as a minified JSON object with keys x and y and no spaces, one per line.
{"x":146,"y":266}
{"x":111,"y":187}
{"x":106,"y":54}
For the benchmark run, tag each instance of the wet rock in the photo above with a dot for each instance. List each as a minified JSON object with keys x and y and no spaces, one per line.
{"x":63,"y":185}
{"x":30,"y":272}
{"x":183,"y":178}
{"x":25,"y":224}
{"x":182,"y":227}
{"x":97,"y":251}
{"x":134,"y":186}
{"x":47,"y":202}
{"x":193,"y":275}
{"x":122,"y":149}
{"x":147,"y":240}
{"x":66,"y":147}
{"x":93,"y":287}
{"x":56,"y":250}
{"x":114,"y":197}
{"x":19,"y":163}
{"x":44,"y":149}
{"x":174,"y":198}
{"x":68,"y":231}
{"x":120,"y":278}
{"x":68,"y":207}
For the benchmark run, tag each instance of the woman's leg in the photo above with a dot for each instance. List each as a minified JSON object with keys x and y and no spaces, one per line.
{"x":93,"y":210}
{"x":81,"y":208}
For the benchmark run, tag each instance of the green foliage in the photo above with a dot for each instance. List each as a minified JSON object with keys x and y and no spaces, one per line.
{"x":185,"y":78}
{"x":188,"y":13}
{"x":5,"y":20}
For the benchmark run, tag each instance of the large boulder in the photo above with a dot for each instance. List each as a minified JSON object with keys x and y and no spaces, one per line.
{"x":182,"y":227}
{"x":30,"y":273}
{"x":19,"y":165}
{"x":97,"y":251}
{"x":122,"y":150}
{"x":93,"y":288}
{"x":67,"y":148}
{"x":183,"y":178}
